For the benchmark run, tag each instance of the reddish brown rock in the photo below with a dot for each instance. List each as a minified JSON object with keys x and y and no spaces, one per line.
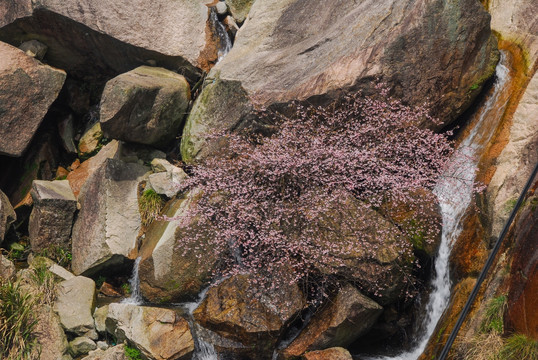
{"x":343,"y":320}
{"x":81,"y":172}
{"x":234,"y":310}
{"x":27,"y":89}
{"x":522,"y":315}
{"x":337,"y":353}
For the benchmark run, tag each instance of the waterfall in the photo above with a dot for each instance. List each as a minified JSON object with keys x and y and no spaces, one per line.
{"x":225,"y":43}
{"x":203,"y":350}
{"x":134,"y":283}
{"x":454,"y":192}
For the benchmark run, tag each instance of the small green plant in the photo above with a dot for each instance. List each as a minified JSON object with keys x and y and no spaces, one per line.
{"x":493,"y":319}
{"x":58,"y":254}
{"x":17,"y":322}
{"x":474,"y":86}
{"x":132,"y":353}
{"x":45,"y":281}
{"x":150,"y":205}
{"x":126,"y":288}
{"x":520,"y":347}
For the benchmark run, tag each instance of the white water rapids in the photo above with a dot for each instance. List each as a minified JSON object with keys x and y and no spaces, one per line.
{"x":455,"y":194}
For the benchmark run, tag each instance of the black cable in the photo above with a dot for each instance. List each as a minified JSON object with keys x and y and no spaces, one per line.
{"x":486,"y":267}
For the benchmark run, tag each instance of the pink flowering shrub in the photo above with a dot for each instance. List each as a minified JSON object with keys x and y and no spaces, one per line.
{"x":303,"y":203}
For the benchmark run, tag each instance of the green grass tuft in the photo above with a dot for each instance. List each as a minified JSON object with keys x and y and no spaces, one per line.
{"x":17,"y":322}
{"x":132,"y":353}
{"x":519,"y":347}
{"x":150,"y":205}
{"x":493,"y":319}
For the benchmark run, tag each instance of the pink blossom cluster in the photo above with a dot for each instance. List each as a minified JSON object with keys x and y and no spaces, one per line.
{"x":305,"y":202}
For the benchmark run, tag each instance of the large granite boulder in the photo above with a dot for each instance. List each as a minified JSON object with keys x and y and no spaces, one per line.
{"x":168,"y":272}
{"x":424,"y":50}
{"x":145,"y":105}
{"x":158,"y":333}
{"x":7,"y":215}
{"x":107,"y":227}
{"x":51,"y":219}
{"x":103,"y":38}
{"x":239,"y":310}
{"x":357,"y":243}
{"x":27,"y":89}
{"x":343,"y":320}
{"x":75,"y":300}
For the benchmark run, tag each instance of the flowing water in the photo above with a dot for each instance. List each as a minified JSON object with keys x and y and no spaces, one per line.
{"x":455,"y":193}
{"x":225,"y":43}
{"x":203,"y":350}
{"x":134,"y":283}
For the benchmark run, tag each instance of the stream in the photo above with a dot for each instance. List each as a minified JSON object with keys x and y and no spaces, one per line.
{"x":455,"y":192}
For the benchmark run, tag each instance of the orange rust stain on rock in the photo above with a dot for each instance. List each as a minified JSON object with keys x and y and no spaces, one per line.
{"x":470,"y":250}
{"x":520,"y":79}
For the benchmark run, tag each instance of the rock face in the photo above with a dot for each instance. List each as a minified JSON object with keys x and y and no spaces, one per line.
{"x":27,"y":89}
{"x":88,"y":37}
{"x":145,"y":105}
{"x":233,"y":310}
{"x":337,"y":353}
{"x":74,"y":304}
{"x":78,"y":177}
{"x":7,"y":268}
{"x":81,"y":346}
{"x":421,"y":49}
{"x":52,"y":216}
{"x":114,"y":353}
{"x":521,"y":316}
{"x":50,"y":335}
{"x":166,"y":177}
{"x":379,"y":261}
{"x":158,"y":333}
{"x":167,"y":273}
{"x":106,"y":229}
{"x":7,"y":215}
{"x":342,"y":321}
{"x":515,"y":163}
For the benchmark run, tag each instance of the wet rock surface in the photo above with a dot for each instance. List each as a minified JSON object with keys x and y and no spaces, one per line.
{"x":328,"y":354}
{"x":25,"y":83}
